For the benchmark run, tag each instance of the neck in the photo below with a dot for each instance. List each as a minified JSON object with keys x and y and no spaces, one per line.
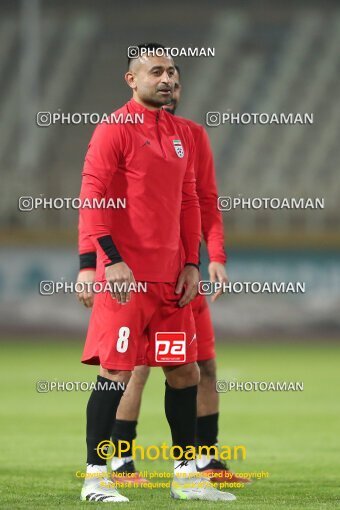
{"x":146,"y":105}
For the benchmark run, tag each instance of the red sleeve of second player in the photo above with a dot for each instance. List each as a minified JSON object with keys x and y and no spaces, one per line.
{"x":190,"y":212}
{"x":101,"y":162}
{"x":85,"y":244}
{"x":86,"y":248}
{"x":212,"y":224}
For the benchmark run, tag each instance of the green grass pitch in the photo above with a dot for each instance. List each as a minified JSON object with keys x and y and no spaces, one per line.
{"x":293,"y":436}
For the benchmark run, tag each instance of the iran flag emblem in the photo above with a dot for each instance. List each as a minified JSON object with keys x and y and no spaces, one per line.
{"x":178,"y":148}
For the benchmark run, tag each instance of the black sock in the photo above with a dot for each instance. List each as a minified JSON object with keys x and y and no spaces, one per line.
{"x":180,"y":411}
{"x":101,"y":411}
{"x":124,"y":430}
{"x":207,"y":430}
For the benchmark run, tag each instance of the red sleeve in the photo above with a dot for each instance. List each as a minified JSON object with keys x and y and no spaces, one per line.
{"x":190,"y":212}
{"x":86,"y":248}
{"x":85,"y":244}
{"x":212,"y":224}
{"x":101,"y":162}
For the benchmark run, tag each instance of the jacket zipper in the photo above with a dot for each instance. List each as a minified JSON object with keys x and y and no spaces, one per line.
{"x":158,"y":135}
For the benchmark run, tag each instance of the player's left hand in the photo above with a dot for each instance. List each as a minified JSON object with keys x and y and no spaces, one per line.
{"x":188,"y":281}
{"x":217,"y":273}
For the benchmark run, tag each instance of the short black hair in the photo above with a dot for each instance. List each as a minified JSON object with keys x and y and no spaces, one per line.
{"x":148,"y":46}
{"x":178,"y":70}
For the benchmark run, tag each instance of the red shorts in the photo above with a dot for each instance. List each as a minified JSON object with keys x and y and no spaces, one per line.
{"x":204,"y":329}
{"x":120,"y":337}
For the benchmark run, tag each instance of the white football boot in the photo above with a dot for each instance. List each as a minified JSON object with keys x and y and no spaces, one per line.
{"x":198,"y":488}
{"x":101,"y":491}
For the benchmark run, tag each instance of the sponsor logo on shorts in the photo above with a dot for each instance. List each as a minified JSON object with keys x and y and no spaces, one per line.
{"x":170,"y":347}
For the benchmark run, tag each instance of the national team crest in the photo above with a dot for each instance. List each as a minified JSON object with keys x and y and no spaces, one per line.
{"x":178,"y":148}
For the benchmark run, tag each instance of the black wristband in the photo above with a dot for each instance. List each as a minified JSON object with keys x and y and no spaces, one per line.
{"x":110,"y":250}
{"x":192,"y":264}
{"x":88,"y":260}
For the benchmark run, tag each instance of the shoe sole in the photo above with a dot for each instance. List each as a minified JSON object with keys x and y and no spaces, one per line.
{"x":176,"y":495}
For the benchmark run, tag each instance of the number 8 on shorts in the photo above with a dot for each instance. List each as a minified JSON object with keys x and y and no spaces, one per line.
{"x":123,"y":339}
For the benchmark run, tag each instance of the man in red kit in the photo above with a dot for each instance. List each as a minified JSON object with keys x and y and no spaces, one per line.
{"x":154,"y":240}
{"x":207,"y":400}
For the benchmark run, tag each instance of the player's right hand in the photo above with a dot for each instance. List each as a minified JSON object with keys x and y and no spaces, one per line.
{"x":86,"y":296}
{"x":120,"y":276}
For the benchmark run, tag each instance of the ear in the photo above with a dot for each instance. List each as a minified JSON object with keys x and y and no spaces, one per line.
{"x":130,"y":79}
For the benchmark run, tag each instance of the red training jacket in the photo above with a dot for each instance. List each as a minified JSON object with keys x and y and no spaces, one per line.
{"x":151,"y":165}
{"x":211,"y":217}
{"x":212,"y":224}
